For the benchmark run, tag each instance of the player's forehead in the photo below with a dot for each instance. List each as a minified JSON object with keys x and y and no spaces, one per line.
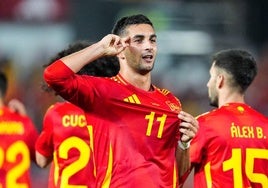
{"x":140,"y":30}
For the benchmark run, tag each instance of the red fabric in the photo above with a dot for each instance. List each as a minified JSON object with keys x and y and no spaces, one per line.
{"x":129,"y":142}
{"x":17,"y":137}
{"x":65,"y":136}
{"x":227,"y":138}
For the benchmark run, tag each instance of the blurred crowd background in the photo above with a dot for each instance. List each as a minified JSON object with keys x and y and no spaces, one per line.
{"x":189,"y":31}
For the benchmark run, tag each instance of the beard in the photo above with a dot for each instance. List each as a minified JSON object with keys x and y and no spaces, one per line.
{"x":145,"y":69}
{"x":214,"y":101}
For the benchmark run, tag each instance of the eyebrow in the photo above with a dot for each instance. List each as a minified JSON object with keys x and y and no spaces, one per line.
{"x":142,"y":36}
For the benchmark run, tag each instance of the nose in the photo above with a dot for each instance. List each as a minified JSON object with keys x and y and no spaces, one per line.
{"x":207,"y":83}
{"x":149,"y":45}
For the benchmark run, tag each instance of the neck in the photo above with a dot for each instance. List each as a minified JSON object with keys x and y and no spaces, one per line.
{"x":138,"y":80}
{"x":230,"y":97}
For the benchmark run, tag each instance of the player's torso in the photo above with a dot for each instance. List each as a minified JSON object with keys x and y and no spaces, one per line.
{"x":73,"y":160}
{"x":14,"y":151}
{"x":237,"y":148}
{"x":138,"y":127}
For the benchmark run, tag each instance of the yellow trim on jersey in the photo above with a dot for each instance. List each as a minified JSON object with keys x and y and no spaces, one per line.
{"x":107,"y":180}
{"x":175,"y":176}
{"x":164,"y":91}
{"x":208,"y":175}
{"x":56,"y":168}
{"x":91,"y":144}
{"x":121,"y":80}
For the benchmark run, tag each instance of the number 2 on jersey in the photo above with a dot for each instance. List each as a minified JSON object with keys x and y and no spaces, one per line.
{"x":76,"y":166}
{"x":16,"y":149}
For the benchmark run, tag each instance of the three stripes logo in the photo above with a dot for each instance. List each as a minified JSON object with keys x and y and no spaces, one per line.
{"x":132,"y":99}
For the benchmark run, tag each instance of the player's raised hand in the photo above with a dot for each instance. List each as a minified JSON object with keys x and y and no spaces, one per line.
{"x":113,"y":44}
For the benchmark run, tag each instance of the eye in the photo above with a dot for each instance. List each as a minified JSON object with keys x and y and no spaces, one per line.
{"x":138,"y":40}
{"x":153,"y":40}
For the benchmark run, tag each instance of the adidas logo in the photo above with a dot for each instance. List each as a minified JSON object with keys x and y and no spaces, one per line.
{"x":133,"y":99}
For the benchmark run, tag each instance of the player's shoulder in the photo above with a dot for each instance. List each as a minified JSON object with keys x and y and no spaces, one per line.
{"x":56,"y":106}
{"x":118,"y":79}
{"x":164,"y":91}
{"x":258,"y":114}
{"x":61,"y":106}
{"x":242,"y":109}
{"x":105,"y":80}
{"x":8,"y":115}
{"x":206,"y":116}
{"x":167,"y":93}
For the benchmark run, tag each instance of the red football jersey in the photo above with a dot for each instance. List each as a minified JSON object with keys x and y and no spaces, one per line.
{"x":231,"y":148}
{"x":17,"y":137}
{"x":135,"y":132}
{"x":66,"y":136}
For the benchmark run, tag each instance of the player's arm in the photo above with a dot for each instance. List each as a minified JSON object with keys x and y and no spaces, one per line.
{"x":41,"y":160}
{"x":183,"y":160}
{"x":44,"y":145}
{"x":60,"y":74}
{"x":188,"y":129}
{"x":110,"y":45}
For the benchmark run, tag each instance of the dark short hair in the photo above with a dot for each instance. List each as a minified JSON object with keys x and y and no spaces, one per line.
{"x":3,"y":84}
{"x":238,"y":63}
{"x":124,"y":22}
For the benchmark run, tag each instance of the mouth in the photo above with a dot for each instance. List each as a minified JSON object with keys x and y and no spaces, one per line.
{"x":148,"y":57}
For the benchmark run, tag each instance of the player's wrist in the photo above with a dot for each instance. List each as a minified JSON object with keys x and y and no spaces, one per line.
{"x":184,"y":145}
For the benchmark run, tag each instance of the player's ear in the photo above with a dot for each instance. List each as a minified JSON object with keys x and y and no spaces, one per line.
{"x":220,"y":81}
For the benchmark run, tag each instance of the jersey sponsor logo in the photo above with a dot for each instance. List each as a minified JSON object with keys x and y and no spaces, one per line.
{"x":133,"y":99}
{"x":246,"y":132}
{"x":173,"y":106}
{"x":11,"y":127}
{"x":74,"y":120}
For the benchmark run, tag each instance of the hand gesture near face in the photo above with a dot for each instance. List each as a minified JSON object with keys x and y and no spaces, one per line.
{"x":113,"y":44}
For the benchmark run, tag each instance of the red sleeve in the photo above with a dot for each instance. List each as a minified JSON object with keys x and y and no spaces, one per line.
{"x":198,"y":144}
{"x":44,"y":143}
{"x":30,"y":136}
{"x":78,"y":89}
{"x":56,"y":71}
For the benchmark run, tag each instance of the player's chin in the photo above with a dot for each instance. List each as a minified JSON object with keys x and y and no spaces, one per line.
{"x":213,"y":102}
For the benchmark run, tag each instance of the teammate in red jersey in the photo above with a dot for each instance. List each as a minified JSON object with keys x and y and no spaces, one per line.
{"x":17,"y":138}
{"x":135,"y":124}
{"x":231,"y":147}
{"x":66,"y":135}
